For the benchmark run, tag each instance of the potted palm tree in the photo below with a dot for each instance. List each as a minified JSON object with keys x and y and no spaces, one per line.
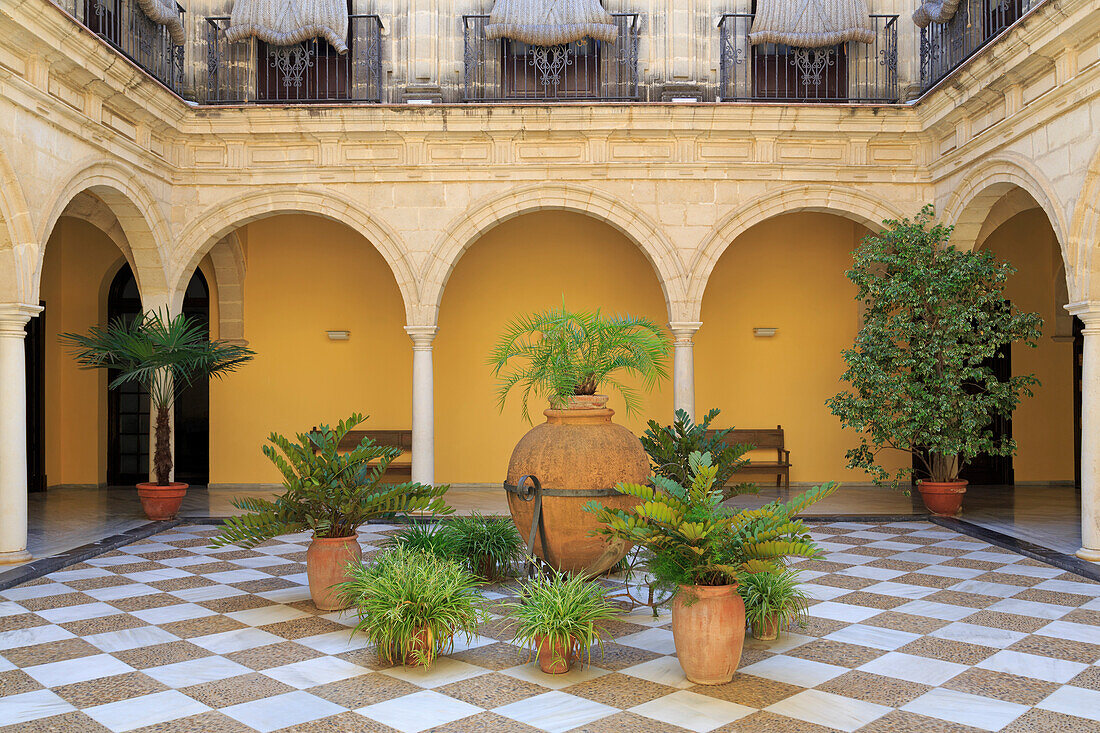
{"x":164,"y":355}
{"x":332,"y":494}
{"x":567,"y":357}
{"x":697,"y":549}
{"x":920,"y":373}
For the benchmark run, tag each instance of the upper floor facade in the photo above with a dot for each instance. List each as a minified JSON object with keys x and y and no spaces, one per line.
{"x":438,"y":51}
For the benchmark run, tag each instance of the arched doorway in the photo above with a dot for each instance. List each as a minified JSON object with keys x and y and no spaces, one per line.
{"x":128,"y":405}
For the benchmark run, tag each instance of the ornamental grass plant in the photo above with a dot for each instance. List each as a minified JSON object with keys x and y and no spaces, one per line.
{"x":433,"y":539}
{"x":412,"y":604}
{"x":773,"y":601}
{"x":490,"y":545}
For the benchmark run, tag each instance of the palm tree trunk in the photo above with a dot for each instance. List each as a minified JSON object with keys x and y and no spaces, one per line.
{"x":162,"y":454}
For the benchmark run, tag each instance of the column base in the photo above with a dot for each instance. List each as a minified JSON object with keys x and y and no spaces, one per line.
{"x":12,"y":558}
{"x":1087,"y":553}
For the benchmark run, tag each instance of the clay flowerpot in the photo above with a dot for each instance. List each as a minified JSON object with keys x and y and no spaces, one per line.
{"x":419,"y":647}
{"x":768,"y":629}
{"x":556,"y":658}
{"x":708,"y":627}
{"x":576,"y":450}
{"x":161,"y":502}
{"x":327,"y":560}
{"x":944,"y":499}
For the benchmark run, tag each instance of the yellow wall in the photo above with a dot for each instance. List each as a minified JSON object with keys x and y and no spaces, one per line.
{"x":80,"y":262}
{"x":786,"y":273}
{"x":306,"y":275}
{"x":1043,"y":424}
{"x":527,"y":264}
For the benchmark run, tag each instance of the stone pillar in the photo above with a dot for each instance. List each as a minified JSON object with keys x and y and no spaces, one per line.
{"x":1089,"y":313}
{"x":683,"y":365}
{"x":13,"y":431}
{"x":423,"y":417}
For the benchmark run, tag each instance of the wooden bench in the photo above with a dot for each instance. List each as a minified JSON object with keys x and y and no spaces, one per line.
{"x":763,"y":439}
{"x":400,"y":469}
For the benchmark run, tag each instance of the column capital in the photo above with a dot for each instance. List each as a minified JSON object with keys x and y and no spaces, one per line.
{"x":14,"y":317}
{"x":684,"y":331}
{"x":422,"y":336}
{"x":1087,"y":310}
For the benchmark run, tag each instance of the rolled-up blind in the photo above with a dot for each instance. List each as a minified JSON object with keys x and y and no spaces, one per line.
{"x":167,"y":14}
{"x":285,"y":22}
{"x":550,"y":22}
{"x":811,"y":23}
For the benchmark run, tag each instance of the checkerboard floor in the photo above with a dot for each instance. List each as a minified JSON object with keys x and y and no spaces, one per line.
{"x":912,"y":628}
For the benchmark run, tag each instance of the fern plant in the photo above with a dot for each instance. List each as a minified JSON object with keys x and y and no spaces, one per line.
{"x":670,"y":448}
{"x":328,"y":492}
{"x":559,"y":353}
{"x":693,"y":540}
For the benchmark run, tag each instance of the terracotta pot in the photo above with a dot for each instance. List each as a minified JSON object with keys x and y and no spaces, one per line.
{"x":327,"y":560}
{"x":577,"y":450}
{"x":768,"y":629}
{"x":161,"y":502}
{"x":419,"y":644}
{"x":557,"y":658}
{"x":944,"y":499}
{"x":708,"y":627}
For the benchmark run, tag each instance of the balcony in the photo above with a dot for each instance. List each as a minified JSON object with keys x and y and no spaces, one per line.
{"x":846,"y":73}
{"x":122,"y":24}
{"x":502,"y":70}
{"x":312,"y":71}
{"x":945,"y":46}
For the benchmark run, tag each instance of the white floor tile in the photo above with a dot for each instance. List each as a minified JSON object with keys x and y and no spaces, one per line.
{"x":286,"y":595}
{"x":237,"y":576}
{"x":1072,"y":631}
{"x":924,"y":558}
{"x":984,"y":588}
{"x":35,"y":635}
{"x":168,"y":614}
{"x":555,"y":712}
{"x":10,"y":608}
{"x":334,"y":642}
{"x":267,"y":615}
{"x":65,"y":576}
{"x":913,"y":668}
{"x":847,"y":558}
{"x":138,"y":712}
{"x":442,"y":672}
{"x":900,"y":590}
{"x":824,"y":592}
{"x":827,"y":709}
{"x":44,"y":590}
{"x":196,"y":671}
{"x":941,"y":611}
{"x":787,"y":640}
{"x":153,"y":576}
{"x":873,"y":637}
{"x":1030,"y":608}
{"x":1033,"y":665}
{"x":206,"y":593}
{"x":654,"y":640}
{"x":976,"y":634}
{"x":662,"y":670}
{"x":794,"y":671}
{"x":966,"y":709}
{"x":950,"y":571}
{"x":236,"y":640}
{"x":860,"y":571}
{"x":1074,"y":701}
{"x":281,"y":711}
{"x":419,"y":711}
{"x":692,"y":711}
{"x":317,"y":671}
{"x":531,"y":673}
{"x":82,"y":612}
{"x":842,"y":612}
{"x":115,"y":592}
{"x":29,"y":706}
{"x":117,"y":641}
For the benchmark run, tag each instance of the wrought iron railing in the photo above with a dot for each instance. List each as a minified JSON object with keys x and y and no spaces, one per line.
{"x":945,"y":46}
{"x":770,"y":72}
{"x":502,"y":70}
{"x":126,"y":27}
{"x":310,"y":71}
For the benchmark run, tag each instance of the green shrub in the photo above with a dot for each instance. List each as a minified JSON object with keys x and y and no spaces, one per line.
{"x":769,"y":594}
{"x":491,"y":545}
{"x":412,"y":604}
{"x":566,"y":611}
{"x":433,"y":539}
{"x":670,"y":448}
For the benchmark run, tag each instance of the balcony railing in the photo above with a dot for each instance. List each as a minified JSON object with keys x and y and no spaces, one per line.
{"x":502,"y":70}
{"x":769,"y":72}
{"x":945,"y":46}
{"x":306,"y":72}
{"x":123,"y":25}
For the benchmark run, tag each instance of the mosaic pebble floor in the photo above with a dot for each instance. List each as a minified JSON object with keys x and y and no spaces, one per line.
{"x":913,"y":628}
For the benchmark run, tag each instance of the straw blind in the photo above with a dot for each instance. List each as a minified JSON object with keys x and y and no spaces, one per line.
{"x":167,"y":14}
{"x":550,"y":22}
{"x":934,"y":11}
{"x":285,"y":22}
{"x":811,"y":23}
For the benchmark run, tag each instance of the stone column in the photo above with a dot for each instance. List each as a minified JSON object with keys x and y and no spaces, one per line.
{"x":423,"y":417}
{"x":683,"y":365}
{"x":1089,"y":313}
{"x":13,"y":431}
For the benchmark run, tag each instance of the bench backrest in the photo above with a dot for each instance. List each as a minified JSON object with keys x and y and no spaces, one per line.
{"x":759,"y":439}
{"x":391,"y":438}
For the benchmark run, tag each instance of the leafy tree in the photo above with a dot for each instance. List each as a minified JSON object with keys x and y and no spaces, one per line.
{"x":919,"y":371}
{"x":559,"y":353}
{"x":670,"y":448}
{"x":328,"y":492}
{"x":164,"y":356}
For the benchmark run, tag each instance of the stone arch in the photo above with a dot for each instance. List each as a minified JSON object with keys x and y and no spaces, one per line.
{"x":466,"y":228}
{"x":141,"y":227}
{"x":223,"y":218}
{"x":851,"y":204}
{"x":17,"y":240}
{"x":1016,"y":201}
{"x":1083,"y":242}
{"x":227,"y":257}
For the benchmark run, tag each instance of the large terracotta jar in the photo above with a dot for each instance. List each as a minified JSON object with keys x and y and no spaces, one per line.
{"x":942,"y":498}
{"x":578,"y":455}
{"x":327,"y":561}
{"x":160,"y":502}
{"x":708,"y":628}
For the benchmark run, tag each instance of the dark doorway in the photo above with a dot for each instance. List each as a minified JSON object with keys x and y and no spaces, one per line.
{"x":36,"y":402}
{"x":983,"y":470}
{"x":1078,"y":366}
{"x":128,"y":406}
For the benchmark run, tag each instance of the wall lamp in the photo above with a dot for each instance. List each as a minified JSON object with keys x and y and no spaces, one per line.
{"x":338,"y":335}
{"x":760,"y":332}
